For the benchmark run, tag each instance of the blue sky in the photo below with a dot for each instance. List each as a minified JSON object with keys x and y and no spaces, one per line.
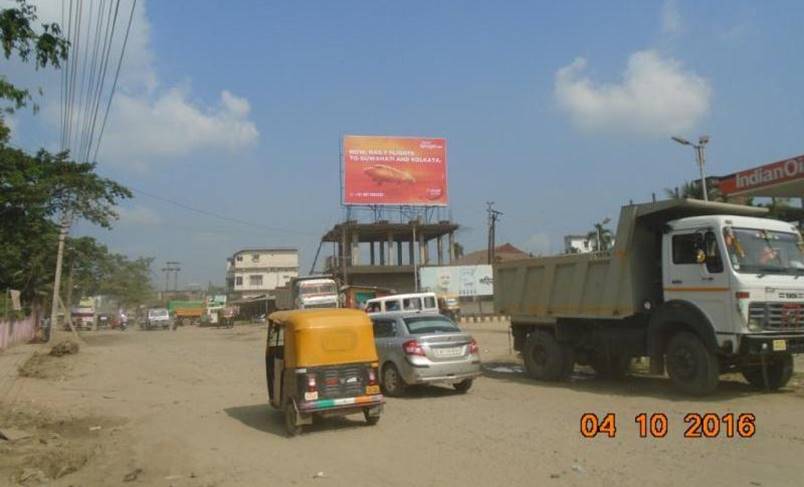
{"x":559,"y":112}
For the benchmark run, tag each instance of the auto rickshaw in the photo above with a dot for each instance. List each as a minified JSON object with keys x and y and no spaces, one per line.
{"x":322,"y":362}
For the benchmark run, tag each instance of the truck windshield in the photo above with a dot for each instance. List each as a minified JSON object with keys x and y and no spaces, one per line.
{"x":430,"y":324}
{"x":764,"y":251}
{"x":317,"y":288}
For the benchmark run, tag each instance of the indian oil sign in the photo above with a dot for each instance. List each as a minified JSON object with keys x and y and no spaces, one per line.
{"x":768,"y":175}
{"x":380,"y":170}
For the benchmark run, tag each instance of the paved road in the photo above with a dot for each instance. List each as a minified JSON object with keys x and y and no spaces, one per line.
{"x":189,"y":408}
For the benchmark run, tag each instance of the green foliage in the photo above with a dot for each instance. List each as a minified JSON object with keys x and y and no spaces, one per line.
{"x":600,"y":238}
{"x":18,"y":36}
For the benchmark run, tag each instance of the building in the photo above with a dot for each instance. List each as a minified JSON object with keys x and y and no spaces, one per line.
{"x":386,"y":254}
{"x":257,"y":272}
{"x":502,"y":253}
{"x":577,"y":244}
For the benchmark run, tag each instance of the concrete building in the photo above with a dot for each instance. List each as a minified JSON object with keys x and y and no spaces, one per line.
{"x":502,"y":253}
{"x":257,"y":272}
{"x":385,"y":254}
{"x":577,"y":244}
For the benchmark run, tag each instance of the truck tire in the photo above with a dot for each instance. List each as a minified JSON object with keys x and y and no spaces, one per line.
{"x":546,"y":358}
{"x":612,"y":366}
{"x":779,"y":370}
{"x":692,"y":367}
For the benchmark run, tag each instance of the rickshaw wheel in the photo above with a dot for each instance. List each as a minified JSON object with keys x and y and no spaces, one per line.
{"x":370,"y":419}
{"x":290,"y":420}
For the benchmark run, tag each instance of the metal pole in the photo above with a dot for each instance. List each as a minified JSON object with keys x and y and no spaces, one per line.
{"x":415,"y":266}
{"x":54,"y":308}
{"x":699,"y":152}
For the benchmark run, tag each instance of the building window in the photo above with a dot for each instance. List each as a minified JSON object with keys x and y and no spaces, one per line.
{"x":255,"y":280}
{"x":239,"y":258}
{"x":255,"y":257}
{"x":239,"y":281}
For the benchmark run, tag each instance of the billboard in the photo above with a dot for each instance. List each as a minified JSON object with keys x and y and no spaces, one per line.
{"x":459,"y":280}
{"x":380,"y":170}
{"x":765,"y":176}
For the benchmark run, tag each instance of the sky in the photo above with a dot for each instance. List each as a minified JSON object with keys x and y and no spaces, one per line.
{"x":558,"y":112}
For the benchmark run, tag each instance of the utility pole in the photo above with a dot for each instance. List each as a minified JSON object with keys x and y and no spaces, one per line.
{"x":699,"y":158}
{"x":54,"y":305}
{"x":493,"y":216}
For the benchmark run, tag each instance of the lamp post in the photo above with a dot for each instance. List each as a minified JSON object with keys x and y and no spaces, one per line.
{"x":699,"y":157}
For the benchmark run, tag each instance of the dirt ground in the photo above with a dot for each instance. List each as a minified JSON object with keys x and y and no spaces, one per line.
{"x":189,"y":408}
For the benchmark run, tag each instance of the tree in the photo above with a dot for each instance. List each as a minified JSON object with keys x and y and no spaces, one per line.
{"x":692,"y":189}
{"x":17,"y":36}
{"x":600,"y":238}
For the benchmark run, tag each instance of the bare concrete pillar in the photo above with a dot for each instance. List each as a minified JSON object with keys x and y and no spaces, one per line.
{"x":422,"y":250}
{"x":411,"y":255}
{"x":399,"y":252}
{"x":390,"y":248}
{"x":440,"y":246}
{"x":381,"y":245}
{"x":355,"y":251}
{"x":371,"y":253}
{"x":451,"y":244}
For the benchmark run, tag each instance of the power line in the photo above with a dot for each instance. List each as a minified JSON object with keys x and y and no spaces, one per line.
{"x":116,"y":76}
{"x":108,"y":36}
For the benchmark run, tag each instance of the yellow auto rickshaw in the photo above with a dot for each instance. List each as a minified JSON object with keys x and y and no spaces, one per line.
{"x":322,"y":362}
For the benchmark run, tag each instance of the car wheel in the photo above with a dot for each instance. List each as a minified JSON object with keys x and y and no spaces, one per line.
{"x":779,"y":371}
{"x":392,"y":382}
{"x":371,"y":419}
{"x":463,"y":386}
{"x":692,"y":368}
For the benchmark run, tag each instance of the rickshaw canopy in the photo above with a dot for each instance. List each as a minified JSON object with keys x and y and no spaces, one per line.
{"x":320,"y":337}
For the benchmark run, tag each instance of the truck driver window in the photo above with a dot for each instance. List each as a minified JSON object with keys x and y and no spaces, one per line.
{"x":684,"y":249}
{"x":714,"y":262}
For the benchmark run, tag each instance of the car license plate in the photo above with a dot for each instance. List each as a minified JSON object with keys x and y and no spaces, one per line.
{"x":779,"y":345}
{"x":311,"y":396}
{"x":448,"y":352}
{"x":372,"y":390}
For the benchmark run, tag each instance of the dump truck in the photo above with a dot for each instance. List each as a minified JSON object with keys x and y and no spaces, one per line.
{"x":699,"y":288}
{"x":307,"y":292}
{"x":187,"y":312}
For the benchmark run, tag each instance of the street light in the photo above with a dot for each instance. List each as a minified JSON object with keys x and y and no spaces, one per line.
{"x":699,"y":156}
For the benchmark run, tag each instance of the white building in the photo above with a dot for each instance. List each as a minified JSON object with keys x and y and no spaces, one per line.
{"x":577,"y":244}
{"x":256,"y":272}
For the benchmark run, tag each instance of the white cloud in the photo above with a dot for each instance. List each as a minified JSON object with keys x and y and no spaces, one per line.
{"x":150,"y":123}
{"x":671,"y":18}
{"x":138,"y":215}
{"x":170,"y":125}
{"x":656,"y":96}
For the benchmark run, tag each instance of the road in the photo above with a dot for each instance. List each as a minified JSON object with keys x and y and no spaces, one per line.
{"x":189,"y":408}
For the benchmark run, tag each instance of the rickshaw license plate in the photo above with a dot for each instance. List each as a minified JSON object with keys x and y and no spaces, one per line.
{"x":372,"y":389}
{"x":779,"y":345}
{"x":448,"y":352}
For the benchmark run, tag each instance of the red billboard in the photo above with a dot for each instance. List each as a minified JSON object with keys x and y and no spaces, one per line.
{"x":764,"y":176}
{"x":380,"y":170}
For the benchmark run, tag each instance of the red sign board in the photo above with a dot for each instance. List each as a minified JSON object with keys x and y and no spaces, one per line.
{"x":381,"y":170}
{"x":768,"y":175}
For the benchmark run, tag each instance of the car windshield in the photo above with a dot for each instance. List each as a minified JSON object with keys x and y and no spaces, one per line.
{"x":764,"y":251}
{"x":158,"y":313}
{"x":421,"y":325}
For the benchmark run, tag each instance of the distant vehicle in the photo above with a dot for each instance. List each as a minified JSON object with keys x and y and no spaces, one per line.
{"x":322,"y":362}
{"x":158,"y":318}
{"x":425,"y":348}
{"x":415,"y":302}
{"x":187,"y":312}
{"x":307,"y":292}
{"x":83,"y":315}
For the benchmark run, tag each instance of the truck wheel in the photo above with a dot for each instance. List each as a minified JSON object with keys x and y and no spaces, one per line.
{"x":392,"y":382}
{"x":545,"y":358}
{"x":692,"y":368}
{"x":610,"y":367}
{"x":779,"y":370}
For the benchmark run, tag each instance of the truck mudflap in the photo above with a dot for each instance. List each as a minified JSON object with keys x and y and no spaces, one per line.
{"x":762,"y":344}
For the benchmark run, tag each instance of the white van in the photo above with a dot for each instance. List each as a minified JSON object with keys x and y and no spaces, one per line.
{"x":414,"y":303}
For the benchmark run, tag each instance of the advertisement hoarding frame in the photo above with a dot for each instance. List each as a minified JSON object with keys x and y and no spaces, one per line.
{"x":342,"y":163}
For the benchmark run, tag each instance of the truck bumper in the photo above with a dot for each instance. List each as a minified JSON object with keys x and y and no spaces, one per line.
{"x":764,"y":344}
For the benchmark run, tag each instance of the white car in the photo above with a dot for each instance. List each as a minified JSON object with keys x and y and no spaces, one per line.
{"x":158,"y":318}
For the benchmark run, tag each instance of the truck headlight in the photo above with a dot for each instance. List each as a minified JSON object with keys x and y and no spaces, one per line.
{"x":754,"y":325}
